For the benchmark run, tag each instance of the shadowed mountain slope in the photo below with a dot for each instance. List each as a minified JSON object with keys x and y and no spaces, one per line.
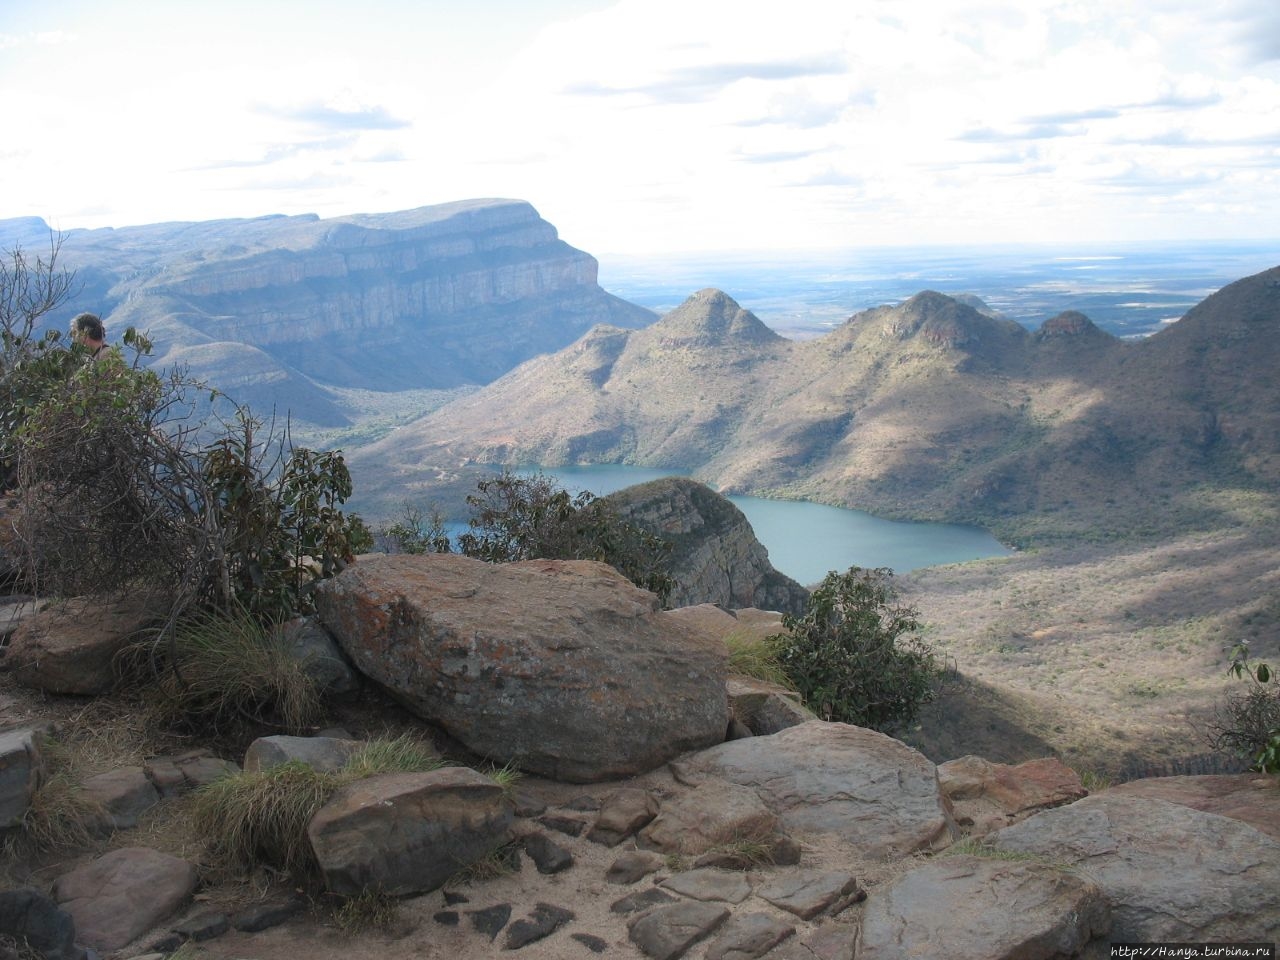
{"x":927,"y":409}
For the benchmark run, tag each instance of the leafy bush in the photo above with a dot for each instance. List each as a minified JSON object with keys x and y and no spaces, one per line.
{"x":1247,"y":724}
{"x":531,"y":517}
{"x":854,"y":655}
{"x":126,"y":477}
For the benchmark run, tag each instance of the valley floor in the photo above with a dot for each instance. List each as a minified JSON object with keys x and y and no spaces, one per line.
{"x":1112,"y":656}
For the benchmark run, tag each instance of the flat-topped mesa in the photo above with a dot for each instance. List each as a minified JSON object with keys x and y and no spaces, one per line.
{"x":711,"y":316}
{"x":431,"y":297}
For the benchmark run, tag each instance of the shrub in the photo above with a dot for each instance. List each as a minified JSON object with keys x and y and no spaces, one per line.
{"x":1247,"y":723}
{"x":530,"y":517}
{"x":854,"y":655}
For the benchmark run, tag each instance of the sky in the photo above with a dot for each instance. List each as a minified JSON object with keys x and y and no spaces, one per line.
{"x":656,"y":126}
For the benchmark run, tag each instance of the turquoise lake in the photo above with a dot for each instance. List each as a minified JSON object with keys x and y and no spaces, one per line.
{"x":806,"y":540}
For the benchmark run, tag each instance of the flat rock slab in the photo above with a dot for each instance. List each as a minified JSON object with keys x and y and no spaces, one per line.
{"x":320,"y":753}
{"x":621,"y":814}
{"x":709,"y":884}
{"x":666,"y":933}
{"x":408,"y":833}
{"x":712,"y":814}
{"x":1251,"y":798}
{"x":808,"y":893}
{"x":833,"y":778}
{"x":1171,"y":873}
{"x":970,"y":908}
{"x":125,"y":794}
{"x":632,"y":866}
{"x":563,"y":667}
{"x":545,"y":920}
{"x":121,"y":894}
{"x":749,"y":935}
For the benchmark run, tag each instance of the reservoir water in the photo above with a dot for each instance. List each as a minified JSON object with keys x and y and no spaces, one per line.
{"x":806,"y":540}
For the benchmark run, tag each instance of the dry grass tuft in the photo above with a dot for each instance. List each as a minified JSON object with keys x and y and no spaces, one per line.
{"x":751,"y":655}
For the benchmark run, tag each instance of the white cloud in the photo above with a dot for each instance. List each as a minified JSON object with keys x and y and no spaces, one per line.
{"x":664,"y":124}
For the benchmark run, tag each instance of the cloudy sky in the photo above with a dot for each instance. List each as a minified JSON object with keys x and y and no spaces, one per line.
{"x":646,"y":126}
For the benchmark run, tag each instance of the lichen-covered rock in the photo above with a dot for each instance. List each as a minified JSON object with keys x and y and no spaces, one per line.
{"x":563,"y":667}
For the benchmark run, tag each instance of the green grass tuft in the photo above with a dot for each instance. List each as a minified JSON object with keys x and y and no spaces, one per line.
{"x":231,"y":672}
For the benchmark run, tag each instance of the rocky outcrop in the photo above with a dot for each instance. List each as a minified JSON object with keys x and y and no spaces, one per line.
{"x":715,"y":557}
{"x":1170,"y":873}
{"x":433,"y":297}
{"x":564,"y":668}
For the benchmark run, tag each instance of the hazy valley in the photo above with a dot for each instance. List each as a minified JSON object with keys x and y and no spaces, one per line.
{"x":1138,"y":475}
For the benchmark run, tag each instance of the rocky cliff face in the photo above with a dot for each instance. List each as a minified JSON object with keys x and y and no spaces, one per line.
{"x":434,"y":297}
{"x":716,"y":556}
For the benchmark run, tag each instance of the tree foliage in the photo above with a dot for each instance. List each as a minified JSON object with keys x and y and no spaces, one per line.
{"x":130,"y":479}
{"x":855,"y":655}
{"x":515,"y":517}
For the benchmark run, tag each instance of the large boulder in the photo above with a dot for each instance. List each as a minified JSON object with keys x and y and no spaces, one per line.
{"x":21,"y":769}
{"x":1171,"y":873}
{"x":121,"y":894}
{"x":833,"y":778}
{"x":70,"y":647}
{"x":563,"y":667}
{"x":969,"y":908}
{"x":404,"y":833}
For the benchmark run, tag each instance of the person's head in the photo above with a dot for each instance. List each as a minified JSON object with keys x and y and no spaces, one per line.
{"x":87,"y":328}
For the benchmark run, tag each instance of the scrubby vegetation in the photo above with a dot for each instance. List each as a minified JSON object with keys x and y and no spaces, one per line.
{"x":261,"y":816}
{"x":855,"y":655}
{"x":1247,"y":723}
